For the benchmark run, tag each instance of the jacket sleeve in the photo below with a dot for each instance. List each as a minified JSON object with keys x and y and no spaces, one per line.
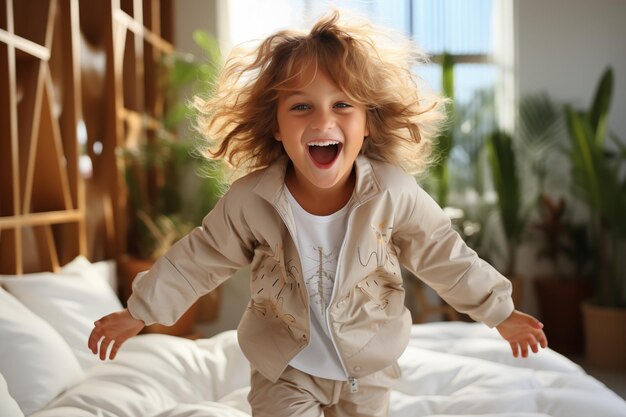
{"x":195,"y":265}
{"x":432,"y":250}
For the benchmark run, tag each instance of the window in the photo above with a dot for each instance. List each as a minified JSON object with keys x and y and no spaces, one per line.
{"x":462,"y":28}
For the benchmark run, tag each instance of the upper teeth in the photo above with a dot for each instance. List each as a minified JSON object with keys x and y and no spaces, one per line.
{"x":324,"y":143}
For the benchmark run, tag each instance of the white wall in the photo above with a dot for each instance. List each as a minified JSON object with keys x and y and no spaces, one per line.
{"x":190,"y":15}
{"x":563,"y":47}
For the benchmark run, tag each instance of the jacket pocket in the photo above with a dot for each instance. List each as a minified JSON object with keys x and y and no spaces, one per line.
{"x":380,"y":288}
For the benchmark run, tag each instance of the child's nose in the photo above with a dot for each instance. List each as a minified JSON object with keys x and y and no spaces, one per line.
{"x":323,"y":120}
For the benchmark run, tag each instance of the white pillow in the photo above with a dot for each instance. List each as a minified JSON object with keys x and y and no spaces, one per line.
{"x":70,"y":301}
{"x":35,"y":361}
{"x":8,"y":406}
{"x":106,"y":270}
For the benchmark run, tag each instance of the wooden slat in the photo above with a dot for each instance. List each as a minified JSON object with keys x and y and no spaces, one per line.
{"x":9,"y":199}
{"x":37,"y":219}
{"x":47,"y":185}
{"x":67,"y":39}
{"x":50,"y":20}
{"x":110,"y":173}
{"x":56,"y":146}
{"x":140,"y":30}
{"x":30,"y":123}
{"x":22,"y":44}
{"x":71,"y":117}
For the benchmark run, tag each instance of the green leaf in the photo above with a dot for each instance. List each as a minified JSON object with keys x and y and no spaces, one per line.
{"x":506,"y":182}
{"x":584,"y":149}
{"x":209,"y":45}
{"x":444,"y":142}
{"x":599,"y":113}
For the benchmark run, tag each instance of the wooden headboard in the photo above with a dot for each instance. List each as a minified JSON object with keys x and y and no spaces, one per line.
{"x":71,"y":80}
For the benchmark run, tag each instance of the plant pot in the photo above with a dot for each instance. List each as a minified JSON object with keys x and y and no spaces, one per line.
{"x":128,"y":268}
{"x":605,"y":336}
{"x":560,"y":301}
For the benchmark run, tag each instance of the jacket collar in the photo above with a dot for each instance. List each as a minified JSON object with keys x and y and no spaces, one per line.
{"x":272,"y":181}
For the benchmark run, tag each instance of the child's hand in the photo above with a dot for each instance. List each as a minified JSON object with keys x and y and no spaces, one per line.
{"x":114,"y":328}
{"x":523,"y":331}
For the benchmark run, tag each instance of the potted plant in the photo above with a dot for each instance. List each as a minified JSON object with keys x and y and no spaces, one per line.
{"x":560,"y":296}
{"x":540,"y":136}
{"x":598,"y":175}
{"x":524,"y":155}
{"x":503,"y":166}
{"x":170,"y":186}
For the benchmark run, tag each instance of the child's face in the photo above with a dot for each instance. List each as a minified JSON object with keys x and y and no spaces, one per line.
{"x":322,"y":131}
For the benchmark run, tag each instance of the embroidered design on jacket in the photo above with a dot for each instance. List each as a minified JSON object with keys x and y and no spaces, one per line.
{"x":275,"y":276}
{"x":381,"y":254}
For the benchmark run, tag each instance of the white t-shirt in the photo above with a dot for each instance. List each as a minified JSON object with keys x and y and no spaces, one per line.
{"x":319,"y":239}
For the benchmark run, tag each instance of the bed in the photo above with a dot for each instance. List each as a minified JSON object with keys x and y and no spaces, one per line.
{"x":449,"y":368}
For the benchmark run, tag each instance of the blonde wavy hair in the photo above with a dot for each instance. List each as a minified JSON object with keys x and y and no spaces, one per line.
{"x":372,"y":66}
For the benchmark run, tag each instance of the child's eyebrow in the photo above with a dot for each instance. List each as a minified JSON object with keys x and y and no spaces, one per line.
{"x":290,"y":93}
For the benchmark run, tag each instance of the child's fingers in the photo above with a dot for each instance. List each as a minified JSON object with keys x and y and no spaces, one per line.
{"x":524,"y":348}
{"x":534,"y":346}
{"x":542,"y":339}
{"x":104,"y":347}
{"x":515,"y":349}
{"x":94,"y":338}
{"x":114,"y":349}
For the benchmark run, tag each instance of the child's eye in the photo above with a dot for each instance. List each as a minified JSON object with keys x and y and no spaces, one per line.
{"x":300,"y":107}
{"x":342,"y":105}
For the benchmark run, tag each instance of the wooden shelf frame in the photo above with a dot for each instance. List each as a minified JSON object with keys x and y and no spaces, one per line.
{"x":60,"y":110}
{"x":136,"y":47}
{"x":42,"y":217}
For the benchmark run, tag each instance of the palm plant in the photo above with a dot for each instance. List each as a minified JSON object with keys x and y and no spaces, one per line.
{"x":598,"y":175}
{"x":445,"y":140}
{"x":507,"y":185}
{"x":526,"y":155}
{"x":171,"y":187}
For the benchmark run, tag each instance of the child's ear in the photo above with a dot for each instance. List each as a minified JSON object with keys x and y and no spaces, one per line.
{"x":277,"y":137}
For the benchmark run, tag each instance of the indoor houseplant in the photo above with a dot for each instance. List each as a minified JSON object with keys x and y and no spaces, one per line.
{"x":540,"y":136}
{"x":506,"y":182}
{"x":598,"y":175}
{"x":561,"y":294}
{"x":170,"y":186}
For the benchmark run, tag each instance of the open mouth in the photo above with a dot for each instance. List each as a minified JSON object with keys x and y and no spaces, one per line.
{"x":324,"y":153}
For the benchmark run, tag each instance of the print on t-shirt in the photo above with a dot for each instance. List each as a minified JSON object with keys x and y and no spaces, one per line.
{"x":321,"y":280}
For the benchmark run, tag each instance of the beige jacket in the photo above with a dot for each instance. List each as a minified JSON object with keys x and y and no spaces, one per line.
{"x":392,"y":222}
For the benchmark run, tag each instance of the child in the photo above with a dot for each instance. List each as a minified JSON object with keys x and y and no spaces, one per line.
{"x":325,"y":218}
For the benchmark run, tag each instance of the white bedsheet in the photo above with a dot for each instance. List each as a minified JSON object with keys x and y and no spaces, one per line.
{"x":449,"y":369}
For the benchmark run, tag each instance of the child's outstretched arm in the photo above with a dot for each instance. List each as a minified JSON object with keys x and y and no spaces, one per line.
{"x":523,"y":331}
{"x":114,"y":328}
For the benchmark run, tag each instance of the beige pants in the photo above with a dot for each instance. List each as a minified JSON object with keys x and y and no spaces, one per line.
{"x":297,"y":394}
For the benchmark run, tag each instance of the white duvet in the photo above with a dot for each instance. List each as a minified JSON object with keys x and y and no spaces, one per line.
{"x":449,"y":369}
